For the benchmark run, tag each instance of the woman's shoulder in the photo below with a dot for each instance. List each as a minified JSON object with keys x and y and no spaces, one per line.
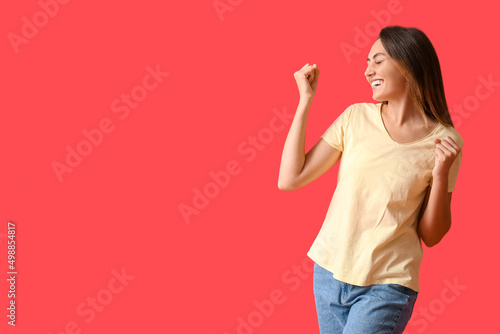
{"x":363,"y":108}
{"x":448,"y":130}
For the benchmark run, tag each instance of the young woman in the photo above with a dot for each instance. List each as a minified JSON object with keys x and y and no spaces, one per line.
{"x":400,"y":162}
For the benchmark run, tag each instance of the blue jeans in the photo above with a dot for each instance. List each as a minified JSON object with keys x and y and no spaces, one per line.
{"x":344,"y":308}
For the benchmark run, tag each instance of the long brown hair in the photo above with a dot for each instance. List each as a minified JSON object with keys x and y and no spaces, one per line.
{"x":416,"y":58}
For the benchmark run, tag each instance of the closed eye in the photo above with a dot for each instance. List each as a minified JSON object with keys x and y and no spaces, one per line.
{"x":378,"y":62}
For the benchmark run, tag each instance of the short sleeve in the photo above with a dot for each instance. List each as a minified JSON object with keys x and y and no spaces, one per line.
{"x":335,"y":134}
{"x":453,"y":174}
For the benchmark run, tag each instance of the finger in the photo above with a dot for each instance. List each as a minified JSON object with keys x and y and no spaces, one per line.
{"x":448,"y":147}
{"x":446,"y":151}
{"x":448,"y":139}
{"x":440,"y":155}
{"x":305,"y":71}
{"x":311,"y":74}
{"x":444,"y":144}
{"x":304,"y":68}
{"x":452,"y":143}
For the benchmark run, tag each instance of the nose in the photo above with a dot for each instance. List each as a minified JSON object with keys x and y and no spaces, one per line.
{"x":368,"y":71}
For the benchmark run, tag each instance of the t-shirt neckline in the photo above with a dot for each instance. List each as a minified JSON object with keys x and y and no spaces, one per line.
{"x":388,"y":135}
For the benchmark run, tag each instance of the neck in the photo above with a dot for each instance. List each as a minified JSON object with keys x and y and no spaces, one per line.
{"x":402,"y":112}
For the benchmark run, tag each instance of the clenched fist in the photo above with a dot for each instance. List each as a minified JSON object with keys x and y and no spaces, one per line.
{"x":446,"y":153}
{"x":307,"y":80}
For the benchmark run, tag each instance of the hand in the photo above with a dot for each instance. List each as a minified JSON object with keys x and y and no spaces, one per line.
{"x":307,"y":80}
{"x":446,"y":153}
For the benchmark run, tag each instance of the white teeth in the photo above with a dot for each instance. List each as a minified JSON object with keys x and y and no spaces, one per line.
{"x":377,"y":83}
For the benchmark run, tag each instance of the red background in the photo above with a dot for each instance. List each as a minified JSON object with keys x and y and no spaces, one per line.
{"x":119,"y":208}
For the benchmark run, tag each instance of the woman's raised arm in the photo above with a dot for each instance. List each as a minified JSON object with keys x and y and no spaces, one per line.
{"x":297,"y":168}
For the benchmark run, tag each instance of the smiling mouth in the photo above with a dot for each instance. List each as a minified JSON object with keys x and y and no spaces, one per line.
{"x":377,"y":83}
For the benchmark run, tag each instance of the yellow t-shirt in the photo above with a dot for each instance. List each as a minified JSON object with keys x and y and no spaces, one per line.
{"x":369,"y":235}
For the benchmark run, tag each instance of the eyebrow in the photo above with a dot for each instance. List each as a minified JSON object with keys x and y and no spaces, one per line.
{"x":375,"y":55}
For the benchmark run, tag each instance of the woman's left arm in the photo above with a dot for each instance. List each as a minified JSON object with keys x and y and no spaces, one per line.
{"x":435,"y":216}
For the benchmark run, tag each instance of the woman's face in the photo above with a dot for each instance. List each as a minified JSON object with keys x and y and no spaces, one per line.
{"x":382,"y":66}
